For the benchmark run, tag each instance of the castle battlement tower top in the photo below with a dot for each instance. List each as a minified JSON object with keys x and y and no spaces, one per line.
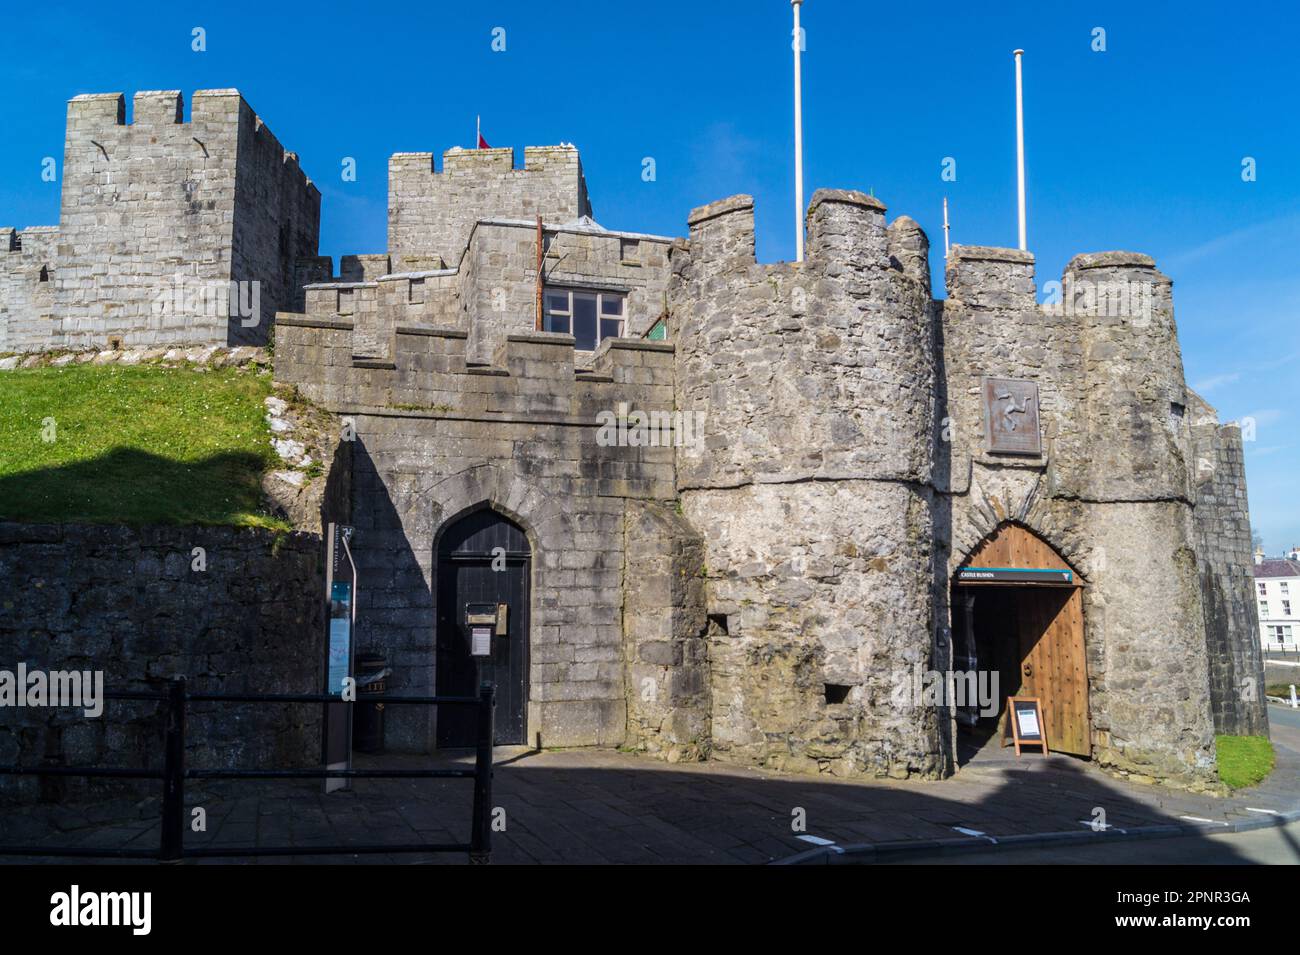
{"x":431,"y":213}
{"x":154,"y":215}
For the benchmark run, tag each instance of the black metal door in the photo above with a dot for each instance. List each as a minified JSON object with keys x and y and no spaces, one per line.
{"x":482,"y":559}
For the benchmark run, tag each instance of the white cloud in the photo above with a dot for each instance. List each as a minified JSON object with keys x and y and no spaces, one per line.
{"x":1216,"y":381}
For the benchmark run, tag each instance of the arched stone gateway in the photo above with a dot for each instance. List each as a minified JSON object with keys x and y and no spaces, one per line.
{"x":573,"y":691}
{"x":1017,"y":624}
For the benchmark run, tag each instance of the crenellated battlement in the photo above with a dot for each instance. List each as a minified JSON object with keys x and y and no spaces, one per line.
{"x":218,"y":120}
{"x":470,"y":162}
{"x":1103,"y":351}
{"x":432,"y":212}
{"x":795,"y":363}
{"x":988,"y":277}
{"x":1096,"y":284}
{"x":157,"y":107}
{"x":158,"y":217}
{"x":427,"y":369}
{"x":845,"y":228}
{"x":35,"y":239}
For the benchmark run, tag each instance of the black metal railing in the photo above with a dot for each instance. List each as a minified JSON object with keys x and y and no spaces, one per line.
{"x":172,"y":848}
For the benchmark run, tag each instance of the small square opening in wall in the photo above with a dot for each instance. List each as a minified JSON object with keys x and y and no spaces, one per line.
{"x":115,"y":343}
{"x":837,"y":692}
{"x":718,"y":624}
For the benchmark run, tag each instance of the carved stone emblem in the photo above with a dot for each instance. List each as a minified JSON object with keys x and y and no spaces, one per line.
{"x":1011,"y":416}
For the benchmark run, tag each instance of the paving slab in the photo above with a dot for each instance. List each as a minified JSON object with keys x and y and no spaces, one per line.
{"x":600,"y":806}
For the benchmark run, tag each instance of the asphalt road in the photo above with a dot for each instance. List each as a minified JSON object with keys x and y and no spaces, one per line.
{"x":1273,"y":846}
{"x":1283,"y":716}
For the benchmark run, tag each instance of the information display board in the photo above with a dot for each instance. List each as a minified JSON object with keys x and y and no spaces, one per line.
{"x":340,"y":593}
{"x":1025,"y":721}
{"x":340,"y":651}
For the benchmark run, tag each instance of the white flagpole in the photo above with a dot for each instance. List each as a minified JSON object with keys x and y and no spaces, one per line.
{"x":478,"y":130}
{"x":1020,"y":148}
{"x":945,"y":227}
{"x":798,"y":137}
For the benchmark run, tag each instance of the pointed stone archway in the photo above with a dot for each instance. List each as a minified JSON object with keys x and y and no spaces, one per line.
{"x":1018,"y":611}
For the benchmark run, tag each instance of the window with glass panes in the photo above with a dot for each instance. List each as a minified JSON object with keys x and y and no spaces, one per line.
{"x":590,"y":317}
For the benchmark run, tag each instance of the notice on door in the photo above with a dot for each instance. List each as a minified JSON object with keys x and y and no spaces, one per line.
{"x":480,"y":641}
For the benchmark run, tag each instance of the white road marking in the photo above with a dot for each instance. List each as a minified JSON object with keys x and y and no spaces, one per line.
{"x":976,"y":833}
{"x":817,"y":840}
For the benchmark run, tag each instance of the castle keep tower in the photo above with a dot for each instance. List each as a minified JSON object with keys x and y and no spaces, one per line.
{"x":432,"y":213}
{"x":158,"y":217}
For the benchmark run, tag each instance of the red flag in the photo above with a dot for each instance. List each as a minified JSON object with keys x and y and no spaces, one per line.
{"x":478,"y":131}
{"x":482,"y":143}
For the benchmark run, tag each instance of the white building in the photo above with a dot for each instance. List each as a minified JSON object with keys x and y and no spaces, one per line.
{"x":1277,"y":595}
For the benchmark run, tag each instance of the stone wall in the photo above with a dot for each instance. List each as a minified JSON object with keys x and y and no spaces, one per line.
{"x":158,"y":216}
{"x":532,"y":374}
{"x":431,"y":214}
{"x":665,"y":635}
{"x":810,"y":486}
{"x":277,"y":222}
{"x":492,"y":291}
{"x":437,"y":438}
{"x":498,"y":293}
{"x":27,"y":269}
{"x":128,"y":602}
{"x":1227,"y":584}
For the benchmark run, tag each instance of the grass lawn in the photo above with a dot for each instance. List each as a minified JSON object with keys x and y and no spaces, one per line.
{"x":134,"y":445}
{"x":1244,"y":760}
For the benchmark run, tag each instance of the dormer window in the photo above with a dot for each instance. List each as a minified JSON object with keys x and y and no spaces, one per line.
{"x":590,"y":317}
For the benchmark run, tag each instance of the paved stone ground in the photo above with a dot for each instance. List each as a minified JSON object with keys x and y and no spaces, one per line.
{"x":603,"y":806}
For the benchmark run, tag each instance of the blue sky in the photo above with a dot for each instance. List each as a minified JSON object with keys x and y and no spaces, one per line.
{"x":1139,"y":147}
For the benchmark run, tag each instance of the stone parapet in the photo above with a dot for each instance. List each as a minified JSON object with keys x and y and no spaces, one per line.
{"x":428,"y":371}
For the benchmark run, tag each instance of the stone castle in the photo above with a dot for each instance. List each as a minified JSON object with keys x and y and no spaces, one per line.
{"x":842,"y":444}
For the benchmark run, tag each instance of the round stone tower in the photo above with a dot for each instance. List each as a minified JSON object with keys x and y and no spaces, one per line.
{"x":810,"y":484}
